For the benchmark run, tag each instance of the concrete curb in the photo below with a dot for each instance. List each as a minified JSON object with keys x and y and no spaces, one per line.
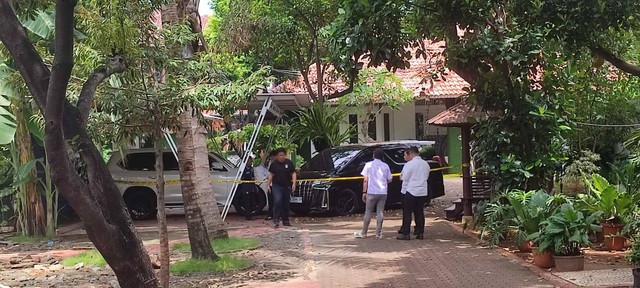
{"x":553,"y":279}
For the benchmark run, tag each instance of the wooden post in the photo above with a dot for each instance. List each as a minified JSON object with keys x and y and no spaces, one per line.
{"x":466,"y":170}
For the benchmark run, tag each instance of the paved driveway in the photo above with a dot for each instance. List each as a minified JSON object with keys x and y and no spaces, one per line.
{"x":445,"y":258}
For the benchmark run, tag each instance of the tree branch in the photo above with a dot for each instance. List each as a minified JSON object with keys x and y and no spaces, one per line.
{"x":305,"y":19}
{"x":352,"y":82}
{"x":24,"y":54}
{"x":615,"y":60}
{"x":116,"y":65}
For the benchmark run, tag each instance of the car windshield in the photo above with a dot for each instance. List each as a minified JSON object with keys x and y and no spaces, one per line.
{"x":333,"y":159}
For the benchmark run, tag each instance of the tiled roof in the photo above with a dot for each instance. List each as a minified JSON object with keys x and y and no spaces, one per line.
{"x":458,"y":115}
{"x":417,"y":78}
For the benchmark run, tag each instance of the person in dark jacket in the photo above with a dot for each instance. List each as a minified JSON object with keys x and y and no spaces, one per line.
{"x":281,"y":183}
{"x":249,"y":189}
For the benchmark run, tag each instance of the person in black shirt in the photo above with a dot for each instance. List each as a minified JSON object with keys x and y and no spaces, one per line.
{"x":248,"y":189}
{"x":281,"y":183}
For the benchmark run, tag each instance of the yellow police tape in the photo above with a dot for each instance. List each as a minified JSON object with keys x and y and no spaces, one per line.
{"x":175,"y":182}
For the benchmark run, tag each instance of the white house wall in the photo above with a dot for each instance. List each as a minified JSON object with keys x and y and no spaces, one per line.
{"x":432,"y":110}
{"x":401,"y":121}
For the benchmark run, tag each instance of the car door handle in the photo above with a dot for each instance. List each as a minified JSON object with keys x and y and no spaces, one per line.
{"x":152,"y":177}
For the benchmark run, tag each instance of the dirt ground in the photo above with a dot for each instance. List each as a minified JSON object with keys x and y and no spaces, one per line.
{"x":37,"y":264}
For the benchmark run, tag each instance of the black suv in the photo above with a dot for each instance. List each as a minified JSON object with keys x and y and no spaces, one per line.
{"x":343,"y":197}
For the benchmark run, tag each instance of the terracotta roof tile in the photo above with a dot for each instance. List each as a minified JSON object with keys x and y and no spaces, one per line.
{"x":458,"y":115}
{"x":417,"y":78}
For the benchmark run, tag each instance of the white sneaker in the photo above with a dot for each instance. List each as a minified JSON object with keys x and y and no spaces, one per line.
{"x":379,"y":236}
{"x":359,"y":235}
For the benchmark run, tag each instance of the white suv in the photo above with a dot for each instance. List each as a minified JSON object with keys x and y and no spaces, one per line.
{"x":135,"y":177}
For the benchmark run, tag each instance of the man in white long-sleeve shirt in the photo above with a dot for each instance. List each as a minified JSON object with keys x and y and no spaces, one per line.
{"x":414,"y":176}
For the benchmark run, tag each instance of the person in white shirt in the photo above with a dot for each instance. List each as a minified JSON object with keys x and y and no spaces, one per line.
{"x":414,"y":176}
{"x":377,"y":176}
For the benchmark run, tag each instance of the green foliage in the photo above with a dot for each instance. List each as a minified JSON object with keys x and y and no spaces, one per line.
{"x":634,"y":255}
{"x":596,"y":95}
{"x":565,"y":232}
{"x":269,"y":138}
{"x":495,"y":218}
{"x":632,"y":229}
{"x":372,"y":29}
{"x":7,"y":93}
{"x":226,"y":263}
{"x":320,"y":124}
{"x":626,"y":176}
{"x":522,"y":149}
{"x":530,"y":209}
{"x":585,"y":164}
{"x":88,"y":258}
{"x":374,"y":90}
{"x":608,"y":200}
{"x":226,"y":245}
{"x":227,"y":97}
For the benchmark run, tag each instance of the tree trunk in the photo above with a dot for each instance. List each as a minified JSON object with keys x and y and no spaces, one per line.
{"x":204,"y":187}
{"x":31,"y":206}
{"x":52,"y":202}
{"x":194,"y":170}
{"x":196,"y":223}
{"x":162,"y":216}
{"x":98,"y":202}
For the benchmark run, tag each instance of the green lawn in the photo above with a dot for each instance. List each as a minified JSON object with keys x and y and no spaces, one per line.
{"x":225,"y":263}
{"x":27,"y":239}
{"x":226,"y":245}
{"x":89,"y":258}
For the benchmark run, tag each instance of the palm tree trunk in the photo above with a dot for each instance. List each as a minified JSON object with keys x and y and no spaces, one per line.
{"x":194,"y":159}
{"x":192,"y":199}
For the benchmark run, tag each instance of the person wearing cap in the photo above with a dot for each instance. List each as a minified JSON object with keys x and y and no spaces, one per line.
{"x":414,"y":176}
{"x":248,"y":188}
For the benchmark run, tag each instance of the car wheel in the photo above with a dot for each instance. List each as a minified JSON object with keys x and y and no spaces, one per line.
{"x":261,"y":202}
{"x":345,"y":202}
{"x":141,"y":204}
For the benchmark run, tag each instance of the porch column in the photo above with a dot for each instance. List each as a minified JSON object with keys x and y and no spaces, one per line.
{"x":466,"y":170}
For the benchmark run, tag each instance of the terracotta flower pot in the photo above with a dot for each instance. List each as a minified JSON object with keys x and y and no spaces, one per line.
{"x":611,"y":239}
{"x":542,"y":260}
{"x":525,"y":246}
{"x":599,"y":237}
{"x":569,"y":263}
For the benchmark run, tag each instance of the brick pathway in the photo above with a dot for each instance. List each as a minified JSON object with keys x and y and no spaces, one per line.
{"x":445,"y":258}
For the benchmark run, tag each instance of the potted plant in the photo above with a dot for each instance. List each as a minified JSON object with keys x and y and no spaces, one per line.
{"x":613,"y":206}
{"x":494,"y":219}
{"x":564,"y":233}
{"x":530,"y":209}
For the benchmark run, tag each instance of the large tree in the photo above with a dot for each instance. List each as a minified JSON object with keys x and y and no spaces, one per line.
{"x":509,"y":51}
{"x":97,"y":200}
{"x":301,"y":35}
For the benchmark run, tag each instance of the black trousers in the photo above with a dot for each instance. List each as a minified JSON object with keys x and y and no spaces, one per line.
{"x":248,"y":198}
{"x":412,"y":205}
{"x":270,"y":203}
